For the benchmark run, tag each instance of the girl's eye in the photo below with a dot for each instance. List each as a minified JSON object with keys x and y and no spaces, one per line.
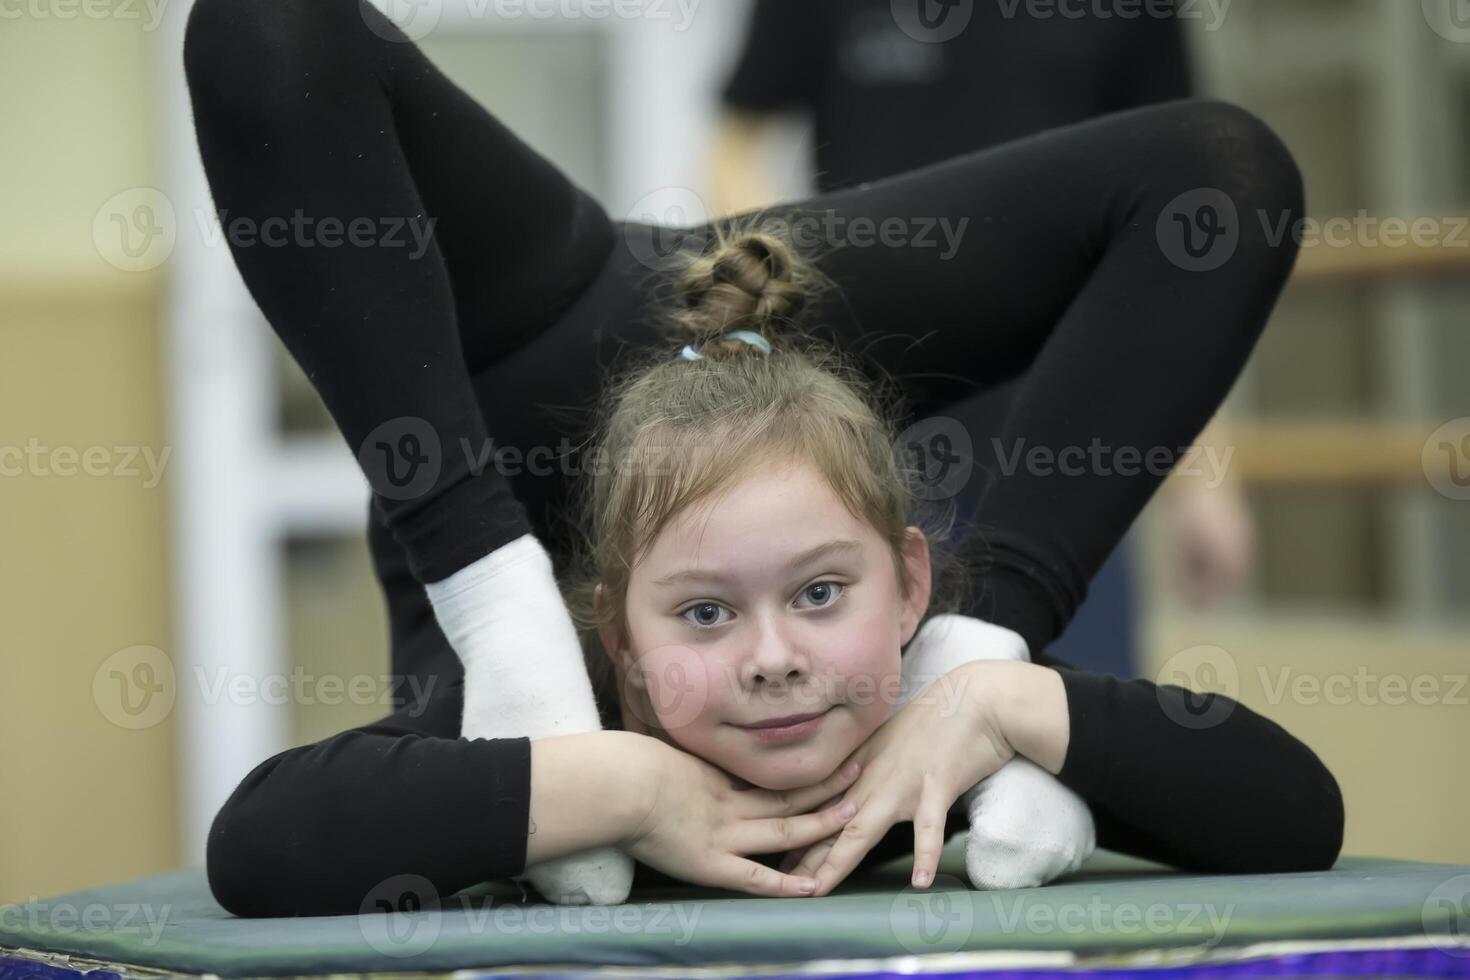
{"x":825,"y":592}
{"x":705,"y":615}
{"x":698,"y":613}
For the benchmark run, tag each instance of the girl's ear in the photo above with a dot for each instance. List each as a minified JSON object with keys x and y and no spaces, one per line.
{"x":915,"y":603}
{"x":609,"y":633}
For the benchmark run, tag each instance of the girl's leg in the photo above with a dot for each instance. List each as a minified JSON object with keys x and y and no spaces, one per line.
{"x":389,"y":228}
{"x":1127,"y":265}
{"x":400,"y":213}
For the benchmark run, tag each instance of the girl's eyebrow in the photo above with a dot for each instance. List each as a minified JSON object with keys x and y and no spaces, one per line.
{"x":830,"y":548}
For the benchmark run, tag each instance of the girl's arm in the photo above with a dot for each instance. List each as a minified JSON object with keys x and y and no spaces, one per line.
{"x":1198,"y":781}
{"x":404,"y":804}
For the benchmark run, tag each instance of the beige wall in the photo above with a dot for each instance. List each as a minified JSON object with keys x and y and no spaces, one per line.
{"x":83,"y":565}
{"x":1387,"y":710}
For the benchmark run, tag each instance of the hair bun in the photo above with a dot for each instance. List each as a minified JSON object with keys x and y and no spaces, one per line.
{"x":748,"y":280}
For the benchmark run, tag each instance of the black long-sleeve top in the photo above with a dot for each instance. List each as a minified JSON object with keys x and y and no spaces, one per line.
{"x":315,"y":829}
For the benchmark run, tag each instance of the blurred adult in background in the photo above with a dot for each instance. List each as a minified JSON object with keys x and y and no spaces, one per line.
{"x":894,"y":85}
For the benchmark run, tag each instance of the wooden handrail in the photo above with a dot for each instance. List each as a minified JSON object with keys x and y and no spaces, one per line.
{"x":1344,"y":452}
{"x":1323,"y":264}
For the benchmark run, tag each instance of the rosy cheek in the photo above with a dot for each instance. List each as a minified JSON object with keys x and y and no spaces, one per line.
{"x":679,"y":685}
{"x":869,"y":673}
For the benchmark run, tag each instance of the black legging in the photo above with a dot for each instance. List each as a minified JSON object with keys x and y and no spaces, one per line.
{"x":527,"y":292}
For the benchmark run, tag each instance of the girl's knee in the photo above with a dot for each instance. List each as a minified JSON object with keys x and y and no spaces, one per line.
{"x":1215,"y":151}
{"x":1234,"y":150}
{"x":253,"y":49}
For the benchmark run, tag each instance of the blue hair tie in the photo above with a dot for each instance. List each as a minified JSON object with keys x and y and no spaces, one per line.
{"x":689,"y":353}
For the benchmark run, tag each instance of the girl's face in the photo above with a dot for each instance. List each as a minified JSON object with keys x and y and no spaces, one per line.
{"x":768,"y":602}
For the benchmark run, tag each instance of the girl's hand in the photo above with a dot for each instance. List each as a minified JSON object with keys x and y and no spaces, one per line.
{"x":915,"y":766}
{"x":697,"y":821}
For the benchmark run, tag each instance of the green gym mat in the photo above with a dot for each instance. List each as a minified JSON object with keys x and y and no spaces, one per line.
{"x":1115,"y":911}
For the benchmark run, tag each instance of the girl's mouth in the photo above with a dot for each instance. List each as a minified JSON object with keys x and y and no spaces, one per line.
{"x":787,"y":728}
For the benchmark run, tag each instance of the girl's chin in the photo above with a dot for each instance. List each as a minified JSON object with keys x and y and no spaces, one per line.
{"x":787,"y":773}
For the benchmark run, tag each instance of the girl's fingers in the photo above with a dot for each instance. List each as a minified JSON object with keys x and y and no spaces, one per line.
{"x":929,"y":821}
{"x":803,"y":799}
{"x":743,"y":875}
{"x":792,"y":859}
{"x":857,"y":838}
{"x":812,"y":859}
{"x":774,"y":834}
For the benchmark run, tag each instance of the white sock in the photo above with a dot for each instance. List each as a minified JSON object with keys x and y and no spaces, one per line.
{"x":1026,"y":828}
{"x":524,"y":676}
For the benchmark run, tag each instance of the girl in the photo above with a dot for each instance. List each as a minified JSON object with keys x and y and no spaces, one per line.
{"x":517,"y":306}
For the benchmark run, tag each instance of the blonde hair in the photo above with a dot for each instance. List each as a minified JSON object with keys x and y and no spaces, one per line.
{"x":672,"y":431}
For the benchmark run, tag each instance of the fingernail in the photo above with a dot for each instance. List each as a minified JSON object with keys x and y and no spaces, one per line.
{"x":851,"y":769}
{"x":921,"y":879}
{"x":847,"y":809}
{"x":807,"y":885}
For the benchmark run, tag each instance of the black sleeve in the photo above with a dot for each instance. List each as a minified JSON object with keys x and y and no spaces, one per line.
{"x":1152,"y":63}
{"x":781,"y":60}
{"x":321,"y":829}
{"x":1197,"y":781}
